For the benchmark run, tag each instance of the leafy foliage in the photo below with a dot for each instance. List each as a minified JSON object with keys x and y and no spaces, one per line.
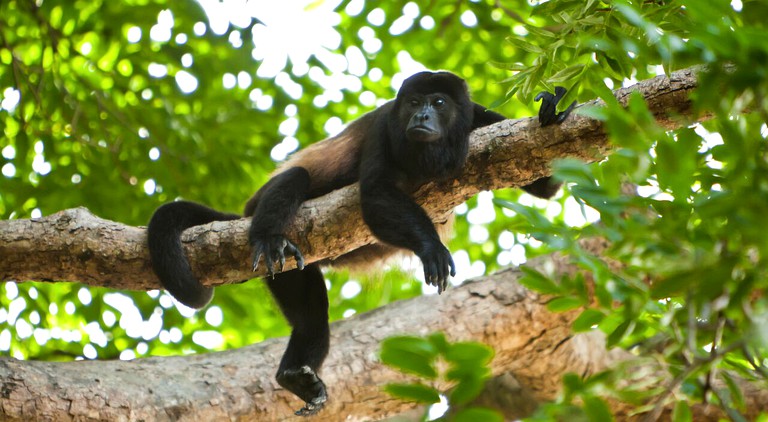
{"x":466,"y":372}
{"x":680,"y":208}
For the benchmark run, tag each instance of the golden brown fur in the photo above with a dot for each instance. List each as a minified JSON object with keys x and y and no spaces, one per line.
{"x":334,"y":161}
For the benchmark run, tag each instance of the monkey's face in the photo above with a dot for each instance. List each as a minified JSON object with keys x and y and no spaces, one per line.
{"x":427,"y":115}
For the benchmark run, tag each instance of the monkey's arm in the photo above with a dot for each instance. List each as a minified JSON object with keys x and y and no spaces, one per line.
{"x":272,"y":208}
{"x":396,"y":219}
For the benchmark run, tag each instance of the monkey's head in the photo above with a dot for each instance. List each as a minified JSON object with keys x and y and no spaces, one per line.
{"x":431,"y":105}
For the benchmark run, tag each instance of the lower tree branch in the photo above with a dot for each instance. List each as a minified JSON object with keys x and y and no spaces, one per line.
{"x":532,"y":343}
{"x":240,"y":383}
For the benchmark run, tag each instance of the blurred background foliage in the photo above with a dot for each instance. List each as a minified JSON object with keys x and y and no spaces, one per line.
{"x":121,"y":106}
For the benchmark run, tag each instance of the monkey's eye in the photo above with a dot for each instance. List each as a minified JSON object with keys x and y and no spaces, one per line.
{"x":414,"y":102}
{"x":439,"y":102}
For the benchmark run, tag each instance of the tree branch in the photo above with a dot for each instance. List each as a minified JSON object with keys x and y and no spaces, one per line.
{"x":532,"y":343}
{"x":240,"y":384}
{"x":74,"y":245}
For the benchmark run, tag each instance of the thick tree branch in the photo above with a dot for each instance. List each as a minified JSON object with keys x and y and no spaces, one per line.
{"x":532,"y":343}
{"x":75,"y":246}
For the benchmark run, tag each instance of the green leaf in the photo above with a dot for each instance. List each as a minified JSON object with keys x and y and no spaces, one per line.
{"x":736,"y":395}
{"x":572,"y":383}
{"x":540,"y":32}
{"x":565,"y":303}
{"x":524,"y":45}
{"x":570,"y":96}
{"x":623,"y":330}
{"x":477,"y":414}
{"x":419,"y":393}
{"x":575,"y":171}
{"x":673,"y":285}
{"x":587,"y":319}
{"x":469,"y":352}
{"x":411,"y":344}
{"x":466,"y":390}
{"x":682,"y":412}
{"x":439,"y":341}
{"x":597,"y":410}
{"x":410,"y":354}
{"x":567,"y":74}
{"x":538,"y":282}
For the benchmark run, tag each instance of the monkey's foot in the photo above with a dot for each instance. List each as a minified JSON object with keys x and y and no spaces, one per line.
{"x":305,"y":383}
{"x":548,"y":111}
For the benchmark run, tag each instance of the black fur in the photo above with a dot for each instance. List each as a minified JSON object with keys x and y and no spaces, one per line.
{"x":423,"y":135}
{"x":167,"y":256}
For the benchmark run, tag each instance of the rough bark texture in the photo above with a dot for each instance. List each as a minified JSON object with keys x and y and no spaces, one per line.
{"x":239,"y":384}
{"x":75,"y":246}
{"x":530,"y":342}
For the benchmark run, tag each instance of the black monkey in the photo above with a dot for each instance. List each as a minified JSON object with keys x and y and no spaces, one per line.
{"x":422,"y":135}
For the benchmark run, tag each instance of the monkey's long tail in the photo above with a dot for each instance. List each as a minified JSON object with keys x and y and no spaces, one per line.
{"x":168,"y":260}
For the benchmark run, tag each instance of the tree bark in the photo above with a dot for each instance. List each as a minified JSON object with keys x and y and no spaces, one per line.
{"x":75,"y":246}
{"x":240,"y":384}
{"x":532,"y":343}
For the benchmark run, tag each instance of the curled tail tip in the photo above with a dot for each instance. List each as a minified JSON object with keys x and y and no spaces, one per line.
{"x":167,"y":255}
{"x":199,"y":300}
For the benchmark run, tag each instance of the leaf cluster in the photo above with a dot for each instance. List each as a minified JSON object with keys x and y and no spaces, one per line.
{"x":684,"y":277}
{"x":462,"y":365}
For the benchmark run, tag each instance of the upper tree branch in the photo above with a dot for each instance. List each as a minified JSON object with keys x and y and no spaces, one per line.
{"x":76,"y":246}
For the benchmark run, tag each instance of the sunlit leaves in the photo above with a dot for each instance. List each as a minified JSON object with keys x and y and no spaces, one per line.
{"x":581,"y":44}
{"x":422,"y":356}
{"x":415,"y":392}
{"x":679,"y":209}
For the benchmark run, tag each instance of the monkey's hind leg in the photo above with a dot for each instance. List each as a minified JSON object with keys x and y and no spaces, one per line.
{"x":303,"y":298}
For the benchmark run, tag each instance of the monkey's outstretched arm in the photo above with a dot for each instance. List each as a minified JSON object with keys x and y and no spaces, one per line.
{"x":272,"y":208}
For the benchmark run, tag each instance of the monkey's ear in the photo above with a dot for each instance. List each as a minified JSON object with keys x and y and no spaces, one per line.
{"x":548,"y":111}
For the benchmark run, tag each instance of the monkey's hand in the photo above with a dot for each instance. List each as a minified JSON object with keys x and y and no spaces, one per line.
{"x":438,"y":264}
{"x":273,"y":247}
{"x":548,"y":111}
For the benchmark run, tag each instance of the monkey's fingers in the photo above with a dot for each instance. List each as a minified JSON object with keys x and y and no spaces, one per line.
{"x":440,"y":280}
{"x":427,"y":275}
{"x":280,"y":258}
{"x":442,"y":283}
{"x":548,"y":107}
{"x":548,"y":111}
{"x":270,"y":264}
{"x":305,"y":383}
{"x":258,"y":250}
{"x":293,"y":250}
{"x":448,"y":268}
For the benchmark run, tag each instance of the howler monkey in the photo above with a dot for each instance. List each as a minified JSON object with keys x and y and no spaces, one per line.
{"x":422,"y":135}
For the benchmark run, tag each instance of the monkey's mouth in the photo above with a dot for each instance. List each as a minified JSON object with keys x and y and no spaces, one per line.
{"x":422,"y":134}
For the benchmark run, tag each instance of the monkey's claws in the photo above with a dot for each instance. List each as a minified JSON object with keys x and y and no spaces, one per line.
{"x":273,"y":249}
{"x":438,"y":264}
{"x":548,"y":111}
